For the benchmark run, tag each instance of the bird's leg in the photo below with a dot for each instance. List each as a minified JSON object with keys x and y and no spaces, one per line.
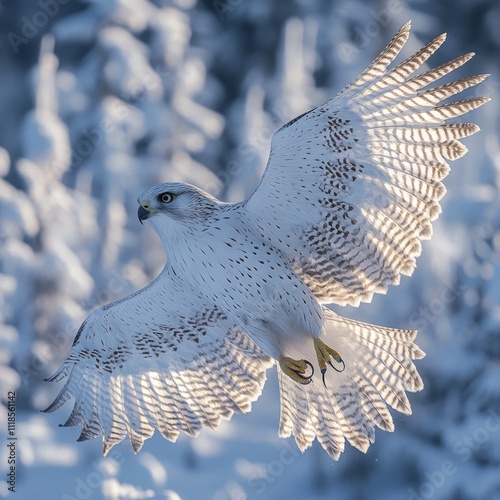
{"x":324,"y":353}
{"x":296,"y":369}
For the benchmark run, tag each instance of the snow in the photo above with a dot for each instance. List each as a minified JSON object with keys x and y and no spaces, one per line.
{"x":109,"y":97}
{"x":4,"y":162}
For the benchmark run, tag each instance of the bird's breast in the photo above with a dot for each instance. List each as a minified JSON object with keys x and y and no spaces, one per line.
{"x":251,"y":282}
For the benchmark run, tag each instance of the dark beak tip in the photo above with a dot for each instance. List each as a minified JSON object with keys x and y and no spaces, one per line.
{"x":142,"y":214}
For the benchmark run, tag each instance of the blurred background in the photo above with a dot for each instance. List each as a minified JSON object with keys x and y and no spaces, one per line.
{"x":101,"y":99}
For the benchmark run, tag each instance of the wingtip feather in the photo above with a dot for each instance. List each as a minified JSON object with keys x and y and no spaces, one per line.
{"x":406,"y":27}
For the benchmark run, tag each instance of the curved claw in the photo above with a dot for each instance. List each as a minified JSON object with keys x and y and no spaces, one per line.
{"x":296,"y":369}
{"x":340,"y":360}
{"x":306,"y":378}
{"x":311,"y":367}
{"x":323,"y":371}
{"x":325,"y":353}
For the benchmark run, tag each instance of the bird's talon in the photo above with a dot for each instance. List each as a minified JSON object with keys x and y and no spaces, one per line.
{"x":324,"y":354}
{"x":323,"y":371}
{"x":339,"y":361}
{"x":309,"y":365}
{"x":296,"y":369}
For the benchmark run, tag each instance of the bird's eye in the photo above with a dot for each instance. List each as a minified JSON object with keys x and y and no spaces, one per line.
{"x":166,"y":197}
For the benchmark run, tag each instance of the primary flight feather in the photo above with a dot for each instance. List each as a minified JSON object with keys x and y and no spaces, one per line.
{"x":349,"y":192}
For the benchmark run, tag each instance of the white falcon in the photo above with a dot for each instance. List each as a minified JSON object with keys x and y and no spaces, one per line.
{"x":350,"y":190}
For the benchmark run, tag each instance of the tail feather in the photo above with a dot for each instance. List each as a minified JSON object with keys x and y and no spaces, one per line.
{"x":378,"y":371}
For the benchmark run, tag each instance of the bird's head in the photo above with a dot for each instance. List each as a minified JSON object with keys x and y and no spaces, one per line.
{"x":175,"y":204}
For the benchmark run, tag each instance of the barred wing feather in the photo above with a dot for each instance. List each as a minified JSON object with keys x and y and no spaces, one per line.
{"x":162,"y":358}
{"x":379,"y":369}
{"x":351,"y":187}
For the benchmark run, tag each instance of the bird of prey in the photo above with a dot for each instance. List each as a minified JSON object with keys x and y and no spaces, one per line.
{"x":350,"y":190}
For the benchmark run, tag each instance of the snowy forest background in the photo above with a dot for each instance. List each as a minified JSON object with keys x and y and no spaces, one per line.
{"x":101,"y":99}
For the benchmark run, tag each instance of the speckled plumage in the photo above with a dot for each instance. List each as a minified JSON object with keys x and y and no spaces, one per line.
{"x":350,"y":190}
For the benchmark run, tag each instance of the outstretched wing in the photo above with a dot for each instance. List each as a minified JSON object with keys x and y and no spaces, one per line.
{"x":162,"y":358}
{"x":351,"y":187}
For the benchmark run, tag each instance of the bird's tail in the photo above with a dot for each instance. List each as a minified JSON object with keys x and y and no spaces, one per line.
{"x":350,"y":403}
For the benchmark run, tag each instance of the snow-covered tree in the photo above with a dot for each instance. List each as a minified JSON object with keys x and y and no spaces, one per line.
{"x":101,"y":99}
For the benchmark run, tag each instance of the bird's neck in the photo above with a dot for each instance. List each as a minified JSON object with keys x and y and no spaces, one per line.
{"x":182,"y":243}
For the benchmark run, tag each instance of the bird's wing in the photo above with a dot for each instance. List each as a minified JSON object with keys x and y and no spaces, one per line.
{"x":162,"y":358}
{"x":351,"y":187}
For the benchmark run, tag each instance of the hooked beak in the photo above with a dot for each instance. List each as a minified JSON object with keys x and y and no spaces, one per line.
{"x":143,"y":213}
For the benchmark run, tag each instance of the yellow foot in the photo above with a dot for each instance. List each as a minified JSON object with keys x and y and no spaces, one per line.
{"x":296,"y":369}
{"x":324,"y":353}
